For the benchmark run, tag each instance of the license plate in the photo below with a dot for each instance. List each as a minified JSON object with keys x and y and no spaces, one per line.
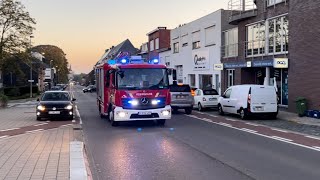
{"x":181,"y":97}
{"x":259,"y":108}
{"x":144,"y":113}
{"x":212,"y":99}
{"x":54,"y":112}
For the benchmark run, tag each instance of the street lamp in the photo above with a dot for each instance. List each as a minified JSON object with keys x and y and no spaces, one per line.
{"x":31,"y":79}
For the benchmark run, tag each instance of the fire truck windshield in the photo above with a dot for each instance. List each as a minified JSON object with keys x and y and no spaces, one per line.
{"x":136,"y":79}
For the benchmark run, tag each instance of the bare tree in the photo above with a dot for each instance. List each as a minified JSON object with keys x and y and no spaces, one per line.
{"x":16,"y":27}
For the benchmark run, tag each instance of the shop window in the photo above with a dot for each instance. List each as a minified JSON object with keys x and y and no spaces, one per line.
{"x":230,"y":77}
{"x":192,"y":78}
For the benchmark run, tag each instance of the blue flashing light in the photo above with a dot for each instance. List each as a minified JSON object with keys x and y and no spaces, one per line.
{"x":136,"y":61}
{"x":154,"y":61}
{"x":124,"y":61}
{"x":112,"y":62}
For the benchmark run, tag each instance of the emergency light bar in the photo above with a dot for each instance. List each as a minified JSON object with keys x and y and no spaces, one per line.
{"x":132,"y":61}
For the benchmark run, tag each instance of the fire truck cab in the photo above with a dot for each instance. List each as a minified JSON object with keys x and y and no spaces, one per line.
{"x":133,"y":90}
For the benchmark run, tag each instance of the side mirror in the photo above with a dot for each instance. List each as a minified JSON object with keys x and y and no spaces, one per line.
{"x":224,"y":96}
{"x":74,"y":99}
{"x":38,"y":99}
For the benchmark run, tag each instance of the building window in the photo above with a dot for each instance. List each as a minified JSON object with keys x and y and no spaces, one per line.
{"x":278,"y":30}
{"x":151,"y":45}
{"x":196,"y":45}
{"x":230,"y":77}
{"x":176,"y":47}
{"x":256,"y":39}
{"x":184,"y":40}
{"x":273,"y":2}
{"x":209,"y":33}
{"x":157,"y":43}
{"x":192,"y":79}
{"x":230,"y":40}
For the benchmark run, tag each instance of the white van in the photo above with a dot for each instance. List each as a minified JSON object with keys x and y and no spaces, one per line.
{"x":247,"y":100}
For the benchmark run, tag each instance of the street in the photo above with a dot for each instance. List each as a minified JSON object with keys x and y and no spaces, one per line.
{"x":189,"y":147}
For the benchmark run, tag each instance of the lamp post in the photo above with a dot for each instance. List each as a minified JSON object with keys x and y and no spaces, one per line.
{"x":31,"y":69}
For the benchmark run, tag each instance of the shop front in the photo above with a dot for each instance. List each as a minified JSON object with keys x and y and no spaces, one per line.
{"x":272,"y":72}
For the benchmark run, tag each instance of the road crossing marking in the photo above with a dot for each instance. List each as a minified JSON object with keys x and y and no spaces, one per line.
{"x":40,"y":124}
{"x":253,"y":124}
{"x":33,"y":131}
{"x":316,"y":138}
{"x":281,"y":139}
{"x":279,"y":130}
{"x":9,"y":129}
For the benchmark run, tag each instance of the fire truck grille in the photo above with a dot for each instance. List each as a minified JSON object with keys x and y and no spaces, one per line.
{"x":137,"y":116}
{"x":144,"y":104}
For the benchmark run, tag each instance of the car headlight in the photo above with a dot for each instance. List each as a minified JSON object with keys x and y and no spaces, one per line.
{"x":69,"y":107}
{"x":166,"y":113}
{"x":41,"y":108}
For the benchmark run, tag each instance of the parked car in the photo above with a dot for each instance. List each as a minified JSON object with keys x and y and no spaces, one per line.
{"x":247,"y":100}
{"x":55,"y":104}
{"x":206,"y":98}
{"x":181,"y":98}
{"x":90,"y":88}
{"x":56,"y":88}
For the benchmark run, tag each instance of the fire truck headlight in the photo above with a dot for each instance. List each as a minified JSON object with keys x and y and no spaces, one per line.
{"x":122,"y":114}
{"x":134,"y":102}
{"x":166,"y":113}
{"x":155,"y":102}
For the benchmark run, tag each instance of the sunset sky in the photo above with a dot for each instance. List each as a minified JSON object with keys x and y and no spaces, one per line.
{"x":85,"y":28}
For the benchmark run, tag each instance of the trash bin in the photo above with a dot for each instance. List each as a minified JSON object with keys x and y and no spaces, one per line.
{"x":301,"y":106}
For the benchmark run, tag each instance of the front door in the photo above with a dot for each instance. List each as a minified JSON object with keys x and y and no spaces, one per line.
{"x":226,"y":103}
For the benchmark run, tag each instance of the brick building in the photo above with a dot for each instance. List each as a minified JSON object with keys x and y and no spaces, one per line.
{"x":273,"y":42}
{"x":158,"y":40}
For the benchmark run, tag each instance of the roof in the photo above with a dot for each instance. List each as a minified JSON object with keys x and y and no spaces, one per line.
{"x":125,"y":46}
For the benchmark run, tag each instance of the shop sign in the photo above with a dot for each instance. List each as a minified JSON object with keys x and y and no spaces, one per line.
{"x":48,"y":73}
{"x":235,"y":65}
{"x":249,"y":64}
{"x":281,"y":63}
{"x":262,"y":63}
{"x":201,"y":60}
{"x":218,"y":67}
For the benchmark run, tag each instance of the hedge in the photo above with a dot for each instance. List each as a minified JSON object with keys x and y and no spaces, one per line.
{"x":18,"y":91}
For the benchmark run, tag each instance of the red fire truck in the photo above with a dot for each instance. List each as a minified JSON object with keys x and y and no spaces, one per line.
{"x":132,"y":90}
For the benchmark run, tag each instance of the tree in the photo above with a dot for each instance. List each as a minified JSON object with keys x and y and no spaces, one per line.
{"x":58,"y":57}
{"x":16,"y":27}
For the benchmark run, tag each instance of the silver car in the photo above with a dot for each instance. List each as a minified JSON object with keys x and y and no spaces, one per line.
{"x":181,"y":98}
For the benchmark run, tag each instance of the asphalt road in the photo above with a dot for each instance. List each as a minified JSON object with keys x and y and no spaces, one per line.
{"x":187,"y":148}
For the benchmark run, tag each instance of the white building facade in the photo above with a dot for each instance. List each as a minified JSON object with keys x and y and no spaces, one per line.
{"x":195,"y":49}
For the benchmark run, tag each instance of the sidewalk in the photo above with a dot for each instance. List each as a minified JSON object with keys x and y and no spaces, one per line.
{"x":288,"y":116}
{"x":41,"y":155}
{"x":38,"y":154}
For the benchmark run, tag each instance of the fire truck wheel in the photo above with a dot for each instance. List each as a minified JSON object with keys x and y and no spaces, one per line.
{"x":161,"y":122}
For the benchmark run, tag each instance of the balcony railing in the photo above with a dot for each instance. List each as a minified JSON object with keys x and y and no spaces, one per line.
{"x":256,"y":48}
{"x":241,"y":9}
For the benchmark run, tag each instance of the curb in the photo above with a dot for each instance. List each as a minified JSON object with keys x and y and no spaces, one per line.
{"x":78,"y":169}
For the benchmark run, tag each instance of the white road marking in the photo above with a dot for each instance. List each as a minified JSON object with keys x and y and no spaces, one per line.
{"x":279,"y":130}
{"x":317,"y":147}
{"x":201,"y":113}
{"x":316,"y":138}
{"x":262,"y":135}
{"x":253,"y":124}
{"x":9,"y":129}
{"x":47,"y":121}
{"x":73,"y":121}
{"x":281,"y":139}
{"x":231,"y":119}
{"x":1,"y":137}
{"x":248,"y":130}
{"x":225,"y":124}
{"x":40,"y":124}
{"x":66,"y":125}
{"x":205,"y":119}
{"x":33,"y":131}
